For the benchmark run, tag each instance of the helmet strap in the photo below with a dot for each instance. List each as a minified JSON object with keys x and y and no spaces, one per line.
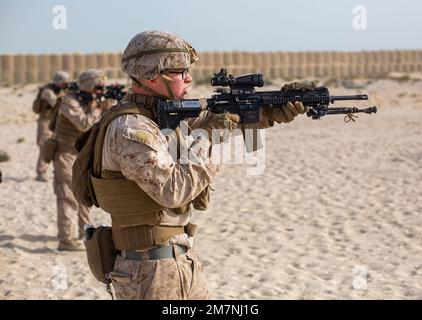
{"x":148,"y":89}
{"x":167,"y":81}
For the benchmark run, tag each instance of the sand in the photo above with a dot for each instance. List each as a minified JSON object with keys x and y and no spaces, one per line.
{"x":336,"y":214}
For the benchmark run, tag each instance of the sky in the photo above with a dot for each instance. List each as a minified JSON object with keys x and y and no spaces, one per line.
{"x":27,"y":26}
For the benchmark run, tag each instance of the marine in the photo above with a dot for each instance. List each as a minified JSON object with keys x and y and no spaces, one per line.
{"x":76,"y":113}
{"x":44,"y":105}
{"x":146,"y":189}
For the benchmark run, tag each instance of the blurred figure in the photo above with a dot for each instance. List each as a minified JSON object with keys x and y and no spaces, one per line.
{"x":77,"y":111}
{"x":44,"y":105}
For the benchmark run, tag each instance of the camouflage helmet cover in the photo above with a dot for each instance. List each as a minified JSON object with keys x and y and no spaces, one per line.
{"x":60,"y":77}
{"x":150,"y":52}
{"x":90,"y":78}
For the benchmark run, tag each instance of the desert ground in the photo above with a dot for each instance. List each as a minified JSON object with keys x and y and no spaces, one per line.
{"x":335,"y":214}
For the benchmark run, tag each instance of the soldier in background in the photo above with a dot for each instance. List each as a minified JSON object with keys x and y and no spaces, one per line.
{"x":44,"y":105}
{"x":76,"y":114}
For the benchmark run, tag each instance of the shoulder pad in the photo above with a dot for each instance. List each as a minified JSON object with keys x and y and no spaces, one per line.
{"x":47,"y":91}
{"x":70,"y":100}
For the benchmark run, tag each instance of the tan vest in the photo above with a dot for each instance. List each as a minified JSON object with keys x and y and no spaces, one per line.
{"x":135,"y":216}
{"x":46,"y":111}
{"x":64,"y":130}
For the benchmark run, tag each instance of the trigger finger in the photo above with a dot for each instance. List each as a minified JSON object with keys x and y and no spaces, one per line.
{"x":286,"y":109}
{"x":233,"y":117}
{"x":279,"y":115}
{"x":300,"y":108}
{"x":293,"y":109}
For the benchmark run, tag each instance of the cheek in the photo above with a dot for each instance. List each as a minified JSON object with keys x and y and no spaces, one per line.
{"x":178,"y":88}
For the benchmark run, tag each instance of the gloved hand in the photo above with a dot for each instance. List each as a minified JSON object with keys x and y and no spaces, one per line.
{"x":289,"y":111}
{"x":303,"y":86}
{"x":94,"y":108}
{"x":286,"y":113}
{"x":221,"y":121}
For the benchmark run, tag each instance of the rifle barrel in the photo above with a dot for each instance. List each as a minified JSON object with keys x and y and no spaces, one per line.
{"x":351,"y":110}
{"x":346,"y":98}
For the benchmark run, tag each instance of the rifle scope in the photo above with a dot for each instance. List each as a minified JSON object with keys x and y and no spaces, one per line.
{"x":247,"y":80}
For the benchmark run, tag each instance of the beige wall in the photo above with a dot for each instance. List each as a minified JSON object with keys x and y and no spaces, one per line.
{"x":17,"y":69}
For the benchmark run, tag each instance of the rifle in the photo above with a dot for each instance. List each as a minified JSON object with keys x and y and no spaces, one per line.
{"x":113,"y":91}
{"x":241,"y":98}
{"x":72,"y":86}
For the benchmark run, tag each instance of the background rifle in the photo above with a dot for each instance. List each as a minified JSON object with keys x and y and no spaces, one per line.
{"x":72,"y":86}
{"x":113,"y":91}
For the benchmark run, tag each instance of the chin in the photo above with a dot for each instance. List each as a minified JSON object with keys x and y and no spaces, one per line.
{"x":181,"y":96}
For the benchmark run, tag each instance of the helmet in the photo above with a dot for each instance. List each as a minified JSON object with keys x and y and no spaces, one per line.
{"x":90,"y":78}
{"x":60,"y":77}
{"x":150,"y":52}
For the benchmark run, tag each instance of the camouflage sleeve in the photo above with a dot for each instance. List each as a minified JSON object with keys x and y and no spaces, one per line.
{"x":71,"y":109}
{"x":49,"y":96}
{"x":143,"y":155}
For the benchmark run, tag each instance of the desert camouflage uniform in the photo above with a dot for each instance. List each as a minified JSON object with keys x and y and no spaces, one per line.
{"x":82,"y":118}
{"x":135,"y":146}
{"x":168,"y":279}
{"x":43,"y":132}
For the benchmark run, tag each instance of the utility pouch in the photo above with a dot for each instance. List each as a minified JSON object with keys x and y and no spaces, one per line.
{"x":48,"y":150}
{"x":202,"y":200}
{"x":100,"y":252}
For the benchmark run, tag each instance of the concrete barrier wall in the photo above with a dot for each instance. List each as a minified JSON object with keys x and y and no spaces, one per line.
{"x":19,"y":68}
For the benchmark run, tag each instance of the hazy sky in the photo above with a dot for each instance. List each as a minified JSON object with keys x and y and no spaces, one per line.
{"x":26,"y":26}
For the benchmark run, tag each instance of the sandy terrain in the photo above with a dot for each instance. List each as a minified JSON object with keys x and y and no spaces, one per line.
{"x":336,"y":214}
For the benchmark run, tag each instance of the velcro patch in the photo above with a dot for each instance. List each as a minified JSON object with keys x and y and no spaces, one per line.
{"x":143,"y":137}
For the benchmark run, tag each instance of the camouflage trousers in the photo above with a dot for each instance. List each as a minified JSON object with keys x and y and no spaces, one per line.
{"x":67,"y":206}
{"x":43,"y":134}
{"x":179,"y":278}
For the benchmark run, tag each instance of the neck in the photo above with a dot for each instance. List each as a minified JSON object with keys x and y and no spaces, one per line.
{"x":144,"y":89}
{"x":137,"y":90}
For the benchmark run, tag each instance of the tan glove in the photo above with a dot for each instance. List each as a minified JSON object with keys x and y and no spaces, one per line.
{"x":303,"y":86}
{"x":289,"y":111}
{"x":286,"y":113}
{"x":221,"y":121}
